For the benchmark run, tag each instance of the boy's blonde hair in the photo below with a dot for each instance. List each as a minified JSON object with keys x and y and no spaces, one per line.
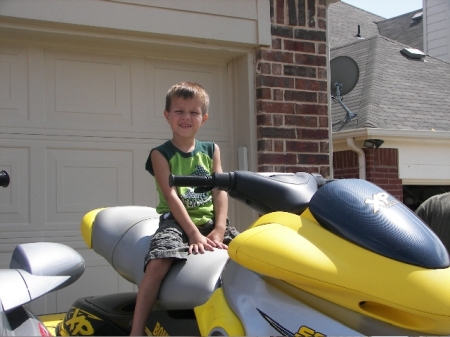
{"x":187,"y":90}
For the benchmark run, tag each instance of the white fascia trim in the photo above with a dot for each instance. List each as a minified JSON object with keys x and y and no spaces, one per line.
{"x":361,"y":134}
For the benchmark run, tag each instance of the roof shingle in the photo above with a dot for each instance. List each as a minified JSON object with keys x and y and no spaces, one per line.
{"x":343,"y":20}
{"x":404,"y":29}
{"x":393,"y":91}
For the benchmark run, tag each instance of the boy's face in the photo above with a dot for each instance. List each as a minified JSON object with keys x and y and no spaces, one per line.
{"x":185,"y":116}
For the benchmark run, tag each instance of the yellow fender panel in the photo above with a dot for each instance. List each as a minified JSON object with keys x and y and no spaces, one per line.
{"x":300,"y":252}
{"x":86,"y":226}
{"x":216,"y":313}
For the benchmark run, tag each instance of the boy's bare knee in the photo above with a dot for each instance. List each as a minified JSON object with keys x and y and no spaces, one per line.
{"x":158,"y":268}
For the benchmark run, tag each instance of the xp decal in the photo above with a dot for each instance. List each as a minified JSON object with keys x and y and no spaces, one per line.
{"x":80,"y":322}
{"x":380,"y":200}
{"x":303,"y":331}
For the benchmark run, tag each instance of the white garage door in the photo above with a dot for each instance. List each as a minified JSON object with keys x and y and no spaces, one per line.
{"x":76,"y":129}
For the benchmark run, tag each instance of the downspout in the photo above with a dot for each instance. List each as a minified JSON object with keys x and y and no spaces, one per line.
{"x":361,"y":158}
{"x":330,"y":122}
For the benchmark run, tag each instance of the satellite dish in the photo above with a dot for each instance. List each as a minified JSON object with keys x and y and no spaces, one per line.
{"x":344,"y":77}
{"x":345,"y":71}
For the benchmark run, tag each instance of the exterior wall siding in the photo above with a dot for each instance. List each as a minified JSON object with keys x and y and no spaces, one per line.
{"x":291,"y":90}
{"x":436,"y":15}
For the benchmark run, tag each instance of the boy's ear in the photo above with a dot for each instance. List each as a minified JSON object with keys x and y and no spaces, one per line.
{"x":205,"y":118}
{"x":166,"y":115}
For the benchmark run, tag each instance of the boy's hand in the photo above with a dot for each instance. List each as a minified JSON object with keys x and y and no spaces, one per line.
{"x":199,"y":243}
{"x":216,"y":236}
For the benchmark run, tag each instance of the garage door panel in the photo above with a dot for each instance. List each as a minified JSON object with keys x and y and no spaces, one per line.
{"x":13,"y":83}
{"x":144,"y":186}
{"x":101,"y":94}
{"x":14,"y":198}
{"x":76,"y":129}
{"x":87,"y":88}
{"x":99,"y":278}
{"x":161,"y":75}
{"x":82,"y":179}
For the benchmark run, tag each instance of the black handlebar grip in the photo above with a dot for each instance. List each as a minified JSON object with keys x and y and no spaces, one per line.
{"x":4,"y":179}
{"x":190,"y":181}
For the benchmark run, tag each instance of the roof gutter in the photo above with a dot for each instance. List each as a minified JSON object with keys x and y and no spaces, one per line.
{"x":361,"y":157}
{"x":392,"y":134}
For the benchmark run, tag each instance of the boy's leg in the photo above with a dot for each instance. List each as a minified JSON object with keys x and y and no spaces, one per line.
{"x":155,"y":271}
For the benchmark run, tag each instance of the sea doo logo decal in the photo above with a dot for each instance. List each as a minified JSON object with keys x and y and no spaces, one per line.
{"x":303,"y":331}
{"x":77,"y":322}
{"x":380,"y":200}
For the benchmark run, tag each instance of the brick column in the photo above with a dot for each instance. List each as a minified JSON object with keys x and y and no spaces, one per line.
{"x":381,"y":168}
{"x":291,"y":90}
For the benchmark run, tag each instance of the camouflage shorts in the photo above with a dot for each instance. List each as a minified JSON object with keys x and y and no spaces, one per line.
{"x":170,"y":241}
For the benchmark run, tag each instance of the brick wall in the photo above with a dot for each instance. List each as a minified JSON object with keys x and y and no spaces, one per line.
{"x":291,"y":90}
{"x":345,"y":165}
{"x":381,"y":168}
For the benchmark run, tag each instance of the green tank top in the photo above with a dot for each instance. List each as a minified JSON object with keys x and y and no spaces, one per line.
{"x":199,"y":162}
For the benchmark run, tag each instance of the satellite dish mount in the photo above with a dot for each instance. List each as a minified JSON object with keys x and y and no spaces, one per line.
{"x":337,"y":90}
{"x":343,"y":69}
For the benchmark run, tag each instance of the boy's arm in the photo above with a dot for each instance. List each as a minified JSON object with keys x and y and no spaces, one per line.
{"x":220,"y":202}
{"x":197,"y":242}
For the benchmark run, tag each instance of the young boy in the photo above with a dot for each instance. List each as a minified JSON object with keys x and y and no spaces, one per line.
{"x":190,"y":222}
